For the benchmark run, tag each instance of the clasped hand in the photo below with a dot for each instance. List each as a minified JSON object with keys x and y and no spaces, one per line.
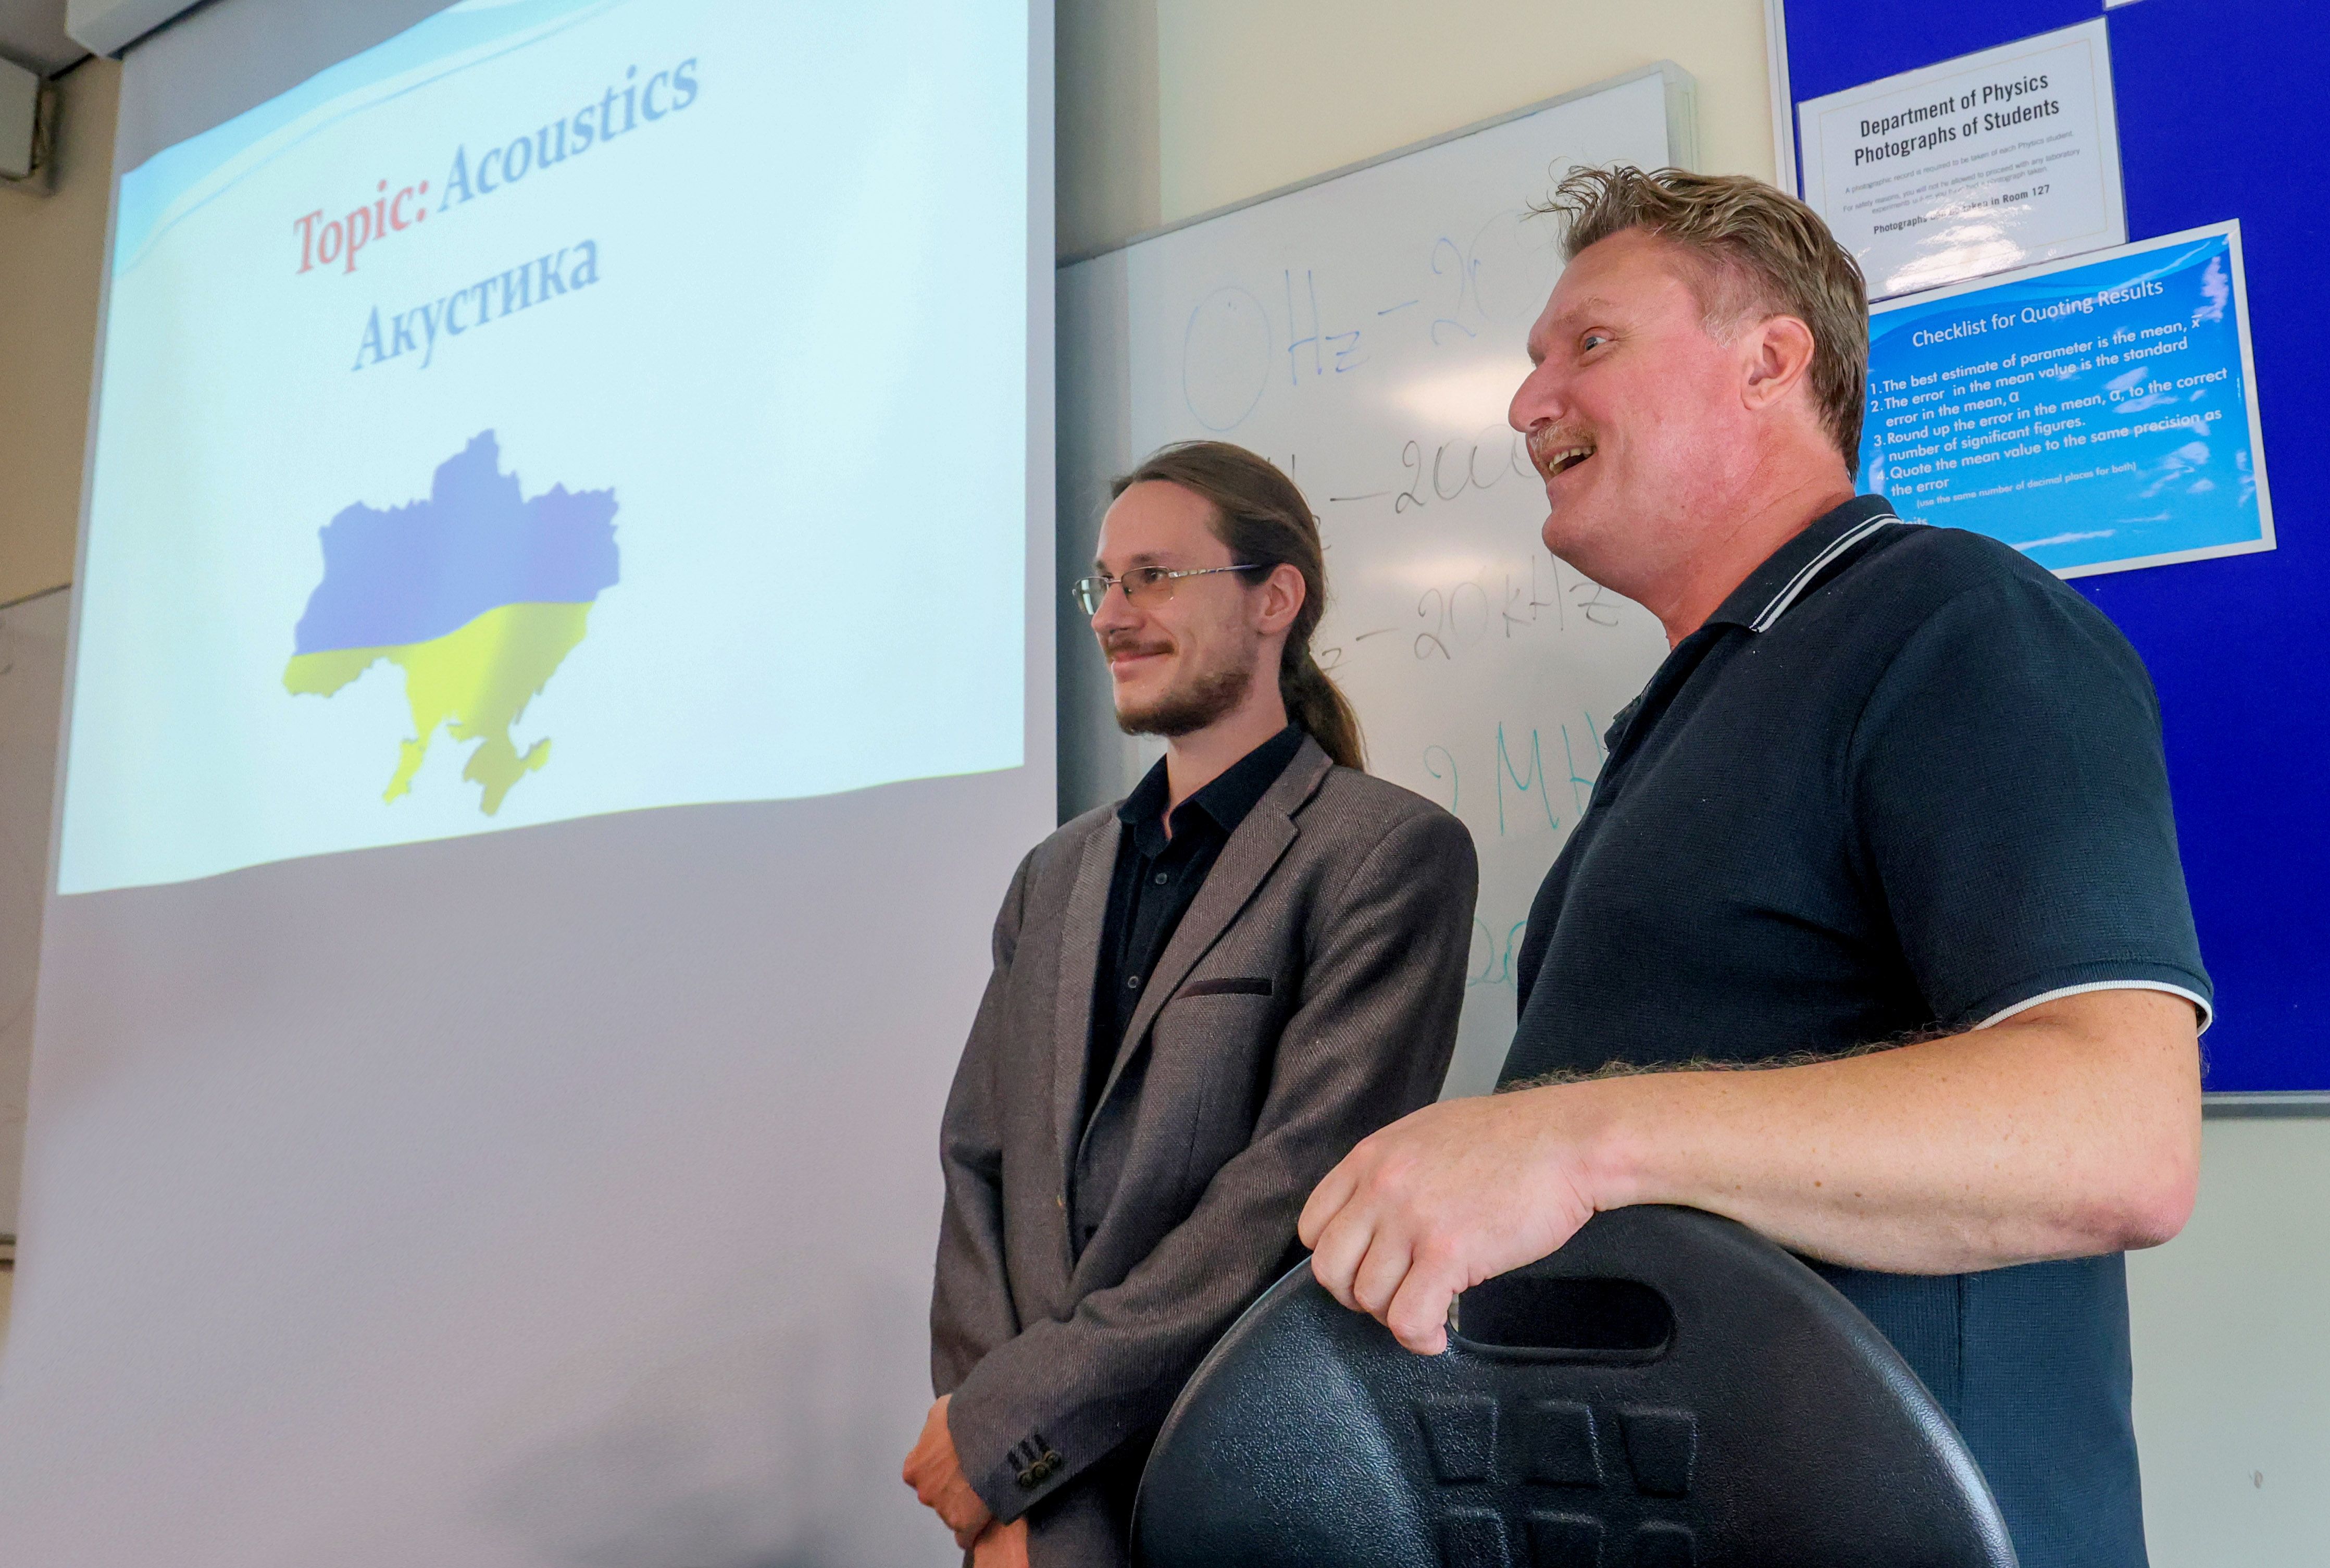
{"x":935,"y":1472}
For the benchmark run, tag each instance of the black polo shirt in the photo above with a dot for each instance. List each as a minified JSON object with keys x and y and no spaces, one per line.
{"x":1904,"y":780}
{"x":1156,"y":879}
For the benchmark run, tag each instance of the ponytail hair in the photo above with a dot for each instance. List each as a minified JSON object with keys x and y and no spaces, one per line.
{"x":1263,"y":519}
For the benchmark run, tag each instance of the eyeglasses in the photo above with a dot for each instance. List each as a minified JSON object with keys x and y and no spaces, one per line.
{"x":1143,"y":584}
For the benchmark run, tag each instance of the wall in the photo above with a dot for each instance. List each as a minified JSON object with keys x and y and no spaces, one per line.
{"x":51,"y":258}
{"x":1172,"y":108}
{"x":2232,"y":1372}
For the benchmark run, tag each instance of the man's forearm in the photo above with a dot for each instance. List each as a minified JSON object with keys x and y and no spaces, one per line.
{"x":2068,"y":1130}
{"x":2073,"y":1129}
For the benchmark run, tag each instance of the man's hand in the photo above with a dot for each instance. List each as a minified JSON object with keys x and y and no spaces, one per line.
{"x":1003,"y":1546}
{"x":1441,"y":1199}
{"x":936,"y":1475}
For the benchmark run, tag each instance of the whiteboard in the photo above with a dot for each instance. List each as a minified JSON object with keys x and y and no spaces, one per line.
{"x":1365,"y":331}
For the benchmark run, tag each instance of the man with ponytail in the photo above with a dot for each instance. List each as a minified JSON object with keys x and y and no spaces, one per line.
{"x":1204,"y":996}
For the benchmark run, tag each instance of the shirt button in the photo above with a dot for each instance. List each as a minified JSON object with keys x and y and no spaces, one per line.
{"x":1133,"y":982}
{"x":1161,"y":878}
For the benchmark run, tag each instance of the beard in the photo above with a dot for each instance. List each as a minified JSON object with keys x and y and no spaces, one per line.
{"x":1190,"y":704}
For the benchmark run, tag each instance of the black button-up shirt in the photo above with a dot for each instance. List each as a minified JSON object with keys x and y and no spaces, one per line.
{"x":1156,"y":879}
{"x":1904,"y":779}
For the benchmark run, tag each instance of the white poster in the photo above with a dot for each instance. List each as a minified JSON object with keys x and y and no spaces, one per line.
{"x":1980,"y":164}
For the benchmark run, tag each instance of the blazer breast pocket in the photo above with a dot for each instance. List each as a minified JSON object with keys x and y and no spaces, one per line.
{"x":1207,"y":1063}
{"x":1254,"y":986}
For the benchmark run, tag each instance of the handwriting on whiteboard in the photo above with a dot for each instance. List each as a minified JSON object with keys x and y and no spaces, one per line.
{"x":1313,"y":329}
{"x":1525,"y":779}
{"x":1452,"y":622}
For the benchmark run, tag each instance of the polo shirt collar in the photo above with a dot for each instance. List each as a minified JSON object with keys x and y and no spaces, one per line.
{"x":1790,"y":570}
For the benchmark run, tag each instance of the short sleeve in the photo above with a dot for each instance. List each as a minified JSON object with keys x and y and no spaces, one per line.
{"x":2008,"y":783}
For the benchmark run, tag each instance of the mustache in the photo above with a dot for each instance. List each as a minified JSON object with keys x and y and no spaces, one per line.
{"x":1112,"y":644}
{"x":1548,"y":439}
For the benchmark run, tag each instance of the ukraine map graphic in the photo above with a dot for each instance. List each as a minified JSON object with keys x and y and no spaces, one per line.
{"x":477,"y":594}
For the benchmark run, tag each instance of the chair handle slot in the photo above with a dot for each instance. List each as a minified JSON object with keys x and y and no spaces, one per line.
{"x":1522,"y":1317}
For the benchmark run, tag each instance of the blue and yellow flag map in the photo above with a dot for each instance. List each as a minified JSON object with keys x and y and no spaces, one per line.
{"x":477,"y":594}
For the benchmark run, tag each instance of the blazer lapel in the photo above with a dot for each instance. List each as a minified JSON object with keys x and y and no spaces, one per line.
{"x":1246,"y":863}
{"x":1080,"y":934}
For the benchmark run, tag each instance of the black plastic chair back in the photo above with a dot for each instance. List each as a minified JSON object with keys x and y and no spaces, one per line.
{"x":1668,"y":1391}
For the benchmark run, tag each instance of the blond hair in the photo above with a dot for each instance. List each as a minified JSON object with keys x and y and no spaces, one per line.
{"x":1757,"y":251}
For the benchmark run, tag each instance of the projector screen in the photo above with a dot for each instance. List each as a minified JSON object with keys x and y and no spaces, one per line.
{"x":554,"y":410}
{"x":562,"y":675}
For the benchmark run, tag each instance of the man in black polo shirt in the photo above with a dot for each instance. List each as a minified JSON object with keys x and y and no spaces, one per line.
{"x":1890,"y":824}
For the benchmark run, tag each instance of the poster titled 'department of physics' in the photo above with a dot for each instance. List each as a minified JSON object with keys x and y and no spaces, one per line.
{"x":1976,"y":166}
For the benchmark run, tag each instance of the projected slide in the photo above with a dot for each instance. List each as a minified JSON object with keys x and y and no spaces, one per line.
{"x":566,"y":408}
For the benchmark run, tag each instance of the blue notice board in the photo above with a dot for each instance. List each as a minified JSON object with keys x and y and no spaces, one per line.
{"x":2239,"y":646}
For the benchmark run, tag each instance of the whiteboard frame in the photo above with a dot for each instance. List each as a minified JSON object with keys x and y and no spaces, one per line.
{"x":2256,"y":1105}
{"x":1683,"y":140}
{"x":1784,"y":172}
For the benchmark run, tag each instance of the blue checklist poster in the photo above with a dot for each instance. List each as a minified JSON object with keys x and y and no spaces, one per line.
{"x":2096,"y":414}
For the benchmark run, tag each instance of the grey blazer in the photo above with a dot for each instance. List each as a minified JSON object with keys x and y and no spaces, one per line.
{"x":1308,"y":997}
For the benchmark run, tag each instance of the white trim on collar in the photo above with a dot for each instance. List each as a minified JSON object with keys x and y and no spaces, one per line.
{"x":1813,"y":569}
